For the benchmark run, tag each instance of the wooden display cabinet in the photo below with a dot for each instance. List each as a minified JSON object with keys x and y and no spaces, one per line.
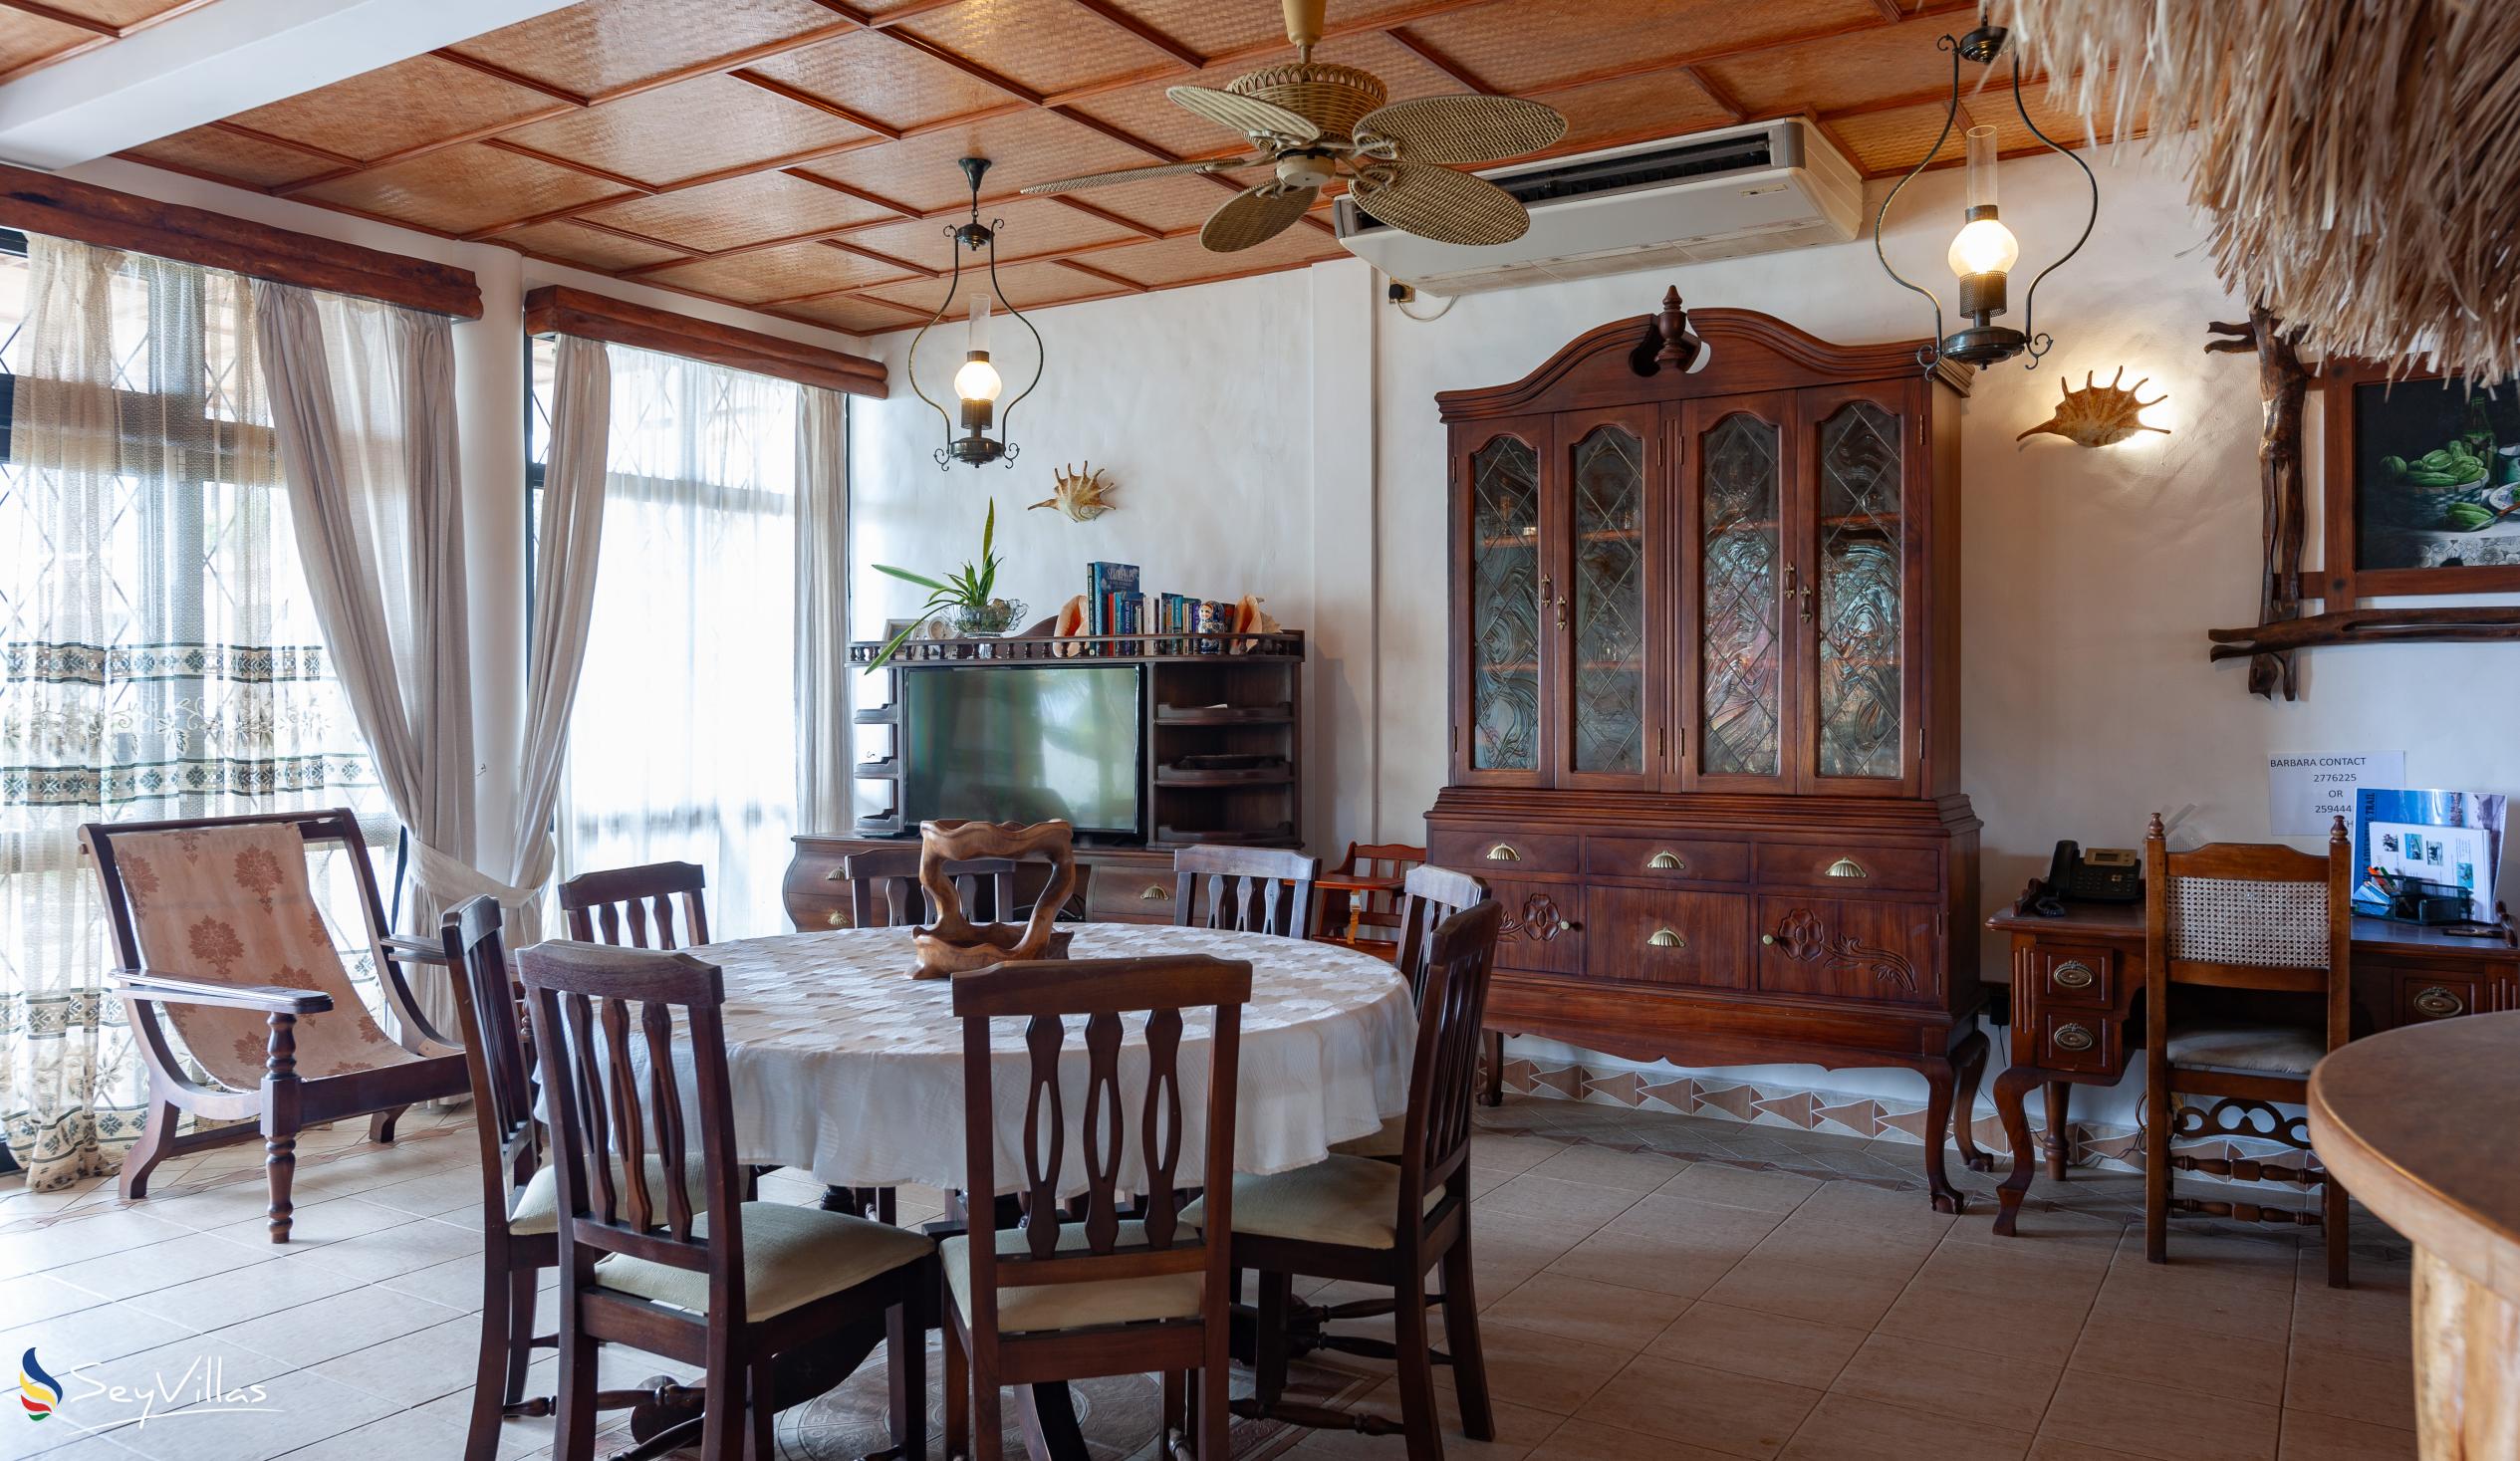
{"x":1704,"y":691}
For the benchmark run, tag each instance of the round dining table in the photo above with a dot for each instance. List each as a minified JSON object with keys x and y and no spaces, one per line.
{"x":844,"y":1065}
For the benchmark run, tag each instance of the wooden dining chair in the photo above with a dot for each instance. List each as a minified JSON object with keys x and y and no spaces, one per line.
{"x":1428,"y":896}
{"x":520,"y":1199}
{"x":598,"y":904}
{"x":884,"y":889}
{"x":693,"y":1274}
{"x":1106,"y":1294}
{"x":1252,"y":890}
{"x":2225,"y":918}
{"x":1368,"y":919}
{"x":1385,"y":1224}
{"x":217,"y":933}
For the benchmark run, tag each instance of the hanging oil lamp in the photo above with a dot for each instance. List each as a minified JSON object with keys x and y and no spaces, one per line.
{"x":976,"y":382}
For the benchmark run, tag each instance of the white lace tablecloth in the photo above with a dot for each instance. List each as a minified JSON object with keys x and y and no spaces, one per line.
{"x":844,"y":1066}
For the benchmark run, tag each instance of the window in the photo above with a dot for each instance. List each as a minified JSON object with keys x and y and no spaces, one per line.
{"x":160,"y":655}
{"x":682,"y":743}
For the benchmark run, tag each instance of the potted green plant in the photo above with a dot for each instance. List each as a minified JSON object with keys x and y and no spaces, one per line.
{"x":969,"y":595}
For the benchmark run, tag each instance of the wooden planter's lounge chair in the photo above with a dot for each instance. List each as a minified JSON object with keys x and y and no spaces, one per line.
{"x":218,"y":935}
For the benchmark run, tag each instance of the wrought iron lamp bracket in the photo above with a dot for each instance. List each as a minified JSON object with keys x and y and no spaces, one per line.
{"x":974,"y":236}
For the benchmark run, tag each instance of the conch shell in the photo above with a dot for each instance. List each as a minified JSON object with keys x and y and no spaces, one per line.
{"x":2098,"y":415}
{"x":1083,"y":494}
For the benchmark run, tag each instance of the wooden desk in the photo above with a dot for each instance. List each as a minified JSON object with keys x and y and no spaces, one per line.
{"x":2075,"y":1021}
{"x":2376,"y":1118}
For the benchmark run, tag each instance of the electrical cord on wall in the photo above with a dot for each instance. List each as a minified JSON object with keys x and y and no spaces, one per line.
{"x":1401,"y":295}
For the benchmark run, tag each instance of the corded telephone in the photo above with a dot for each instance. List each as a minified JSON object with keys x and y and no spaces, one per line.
{"x":2102,"y":875}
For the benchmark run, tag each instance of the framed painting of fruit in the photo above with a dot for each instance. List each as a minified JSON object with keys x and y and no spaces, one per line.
{"x":2422,"y":484}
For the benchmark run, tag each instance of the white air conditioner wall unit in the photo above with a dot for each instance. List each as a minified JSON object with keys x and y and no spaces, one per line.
{"x":1757,"y":188}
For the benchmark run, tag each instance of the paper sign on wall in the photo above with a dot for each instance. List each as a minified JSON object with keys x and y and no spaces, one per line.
{"x":2307,"y":792}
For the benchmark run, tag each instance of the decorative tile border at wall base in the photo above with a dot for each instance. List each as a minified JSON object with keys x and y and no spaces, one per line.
{"x":2108,"y":1149}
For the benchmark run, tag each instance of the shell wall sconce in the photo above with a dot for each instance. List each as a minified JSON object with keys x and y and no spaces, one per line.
{"x":1082,"y":495}
{"x":2098,"y":415}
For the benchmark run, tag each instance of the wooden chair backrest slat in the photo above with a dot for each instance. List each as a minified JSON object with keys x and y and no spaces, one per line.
{"x":597,"y":1008}
{"x":1430,"y":895}
{"x":597,"y":902}
{"x":1045,"y":995}
{"x":1252,"y":890}
{"x":884,"y":889}
{"x":1380,"y":911}
{"x":1452,"y":1005}
{"x":494,"y":1051}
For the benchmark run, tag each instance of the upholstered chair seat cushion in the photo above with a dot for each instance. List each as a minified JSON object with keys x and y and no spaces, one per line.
{"x":538,"y":1206}
{"x":1073,"y":1306}
{"x":792,"y":1256}
{"x":2246,"y":1049}
{"x":1353,"y":1201}
{"x":1385,"y":1143}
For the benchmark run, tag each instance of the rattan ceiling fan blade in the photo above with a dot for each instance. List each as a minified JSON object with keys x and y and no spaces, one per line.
{"x":1439,"y":203}
{"x":1463,"y":129}
{"x":1255,"y":216}
{"x":1133,"y":174}
{"x":1249,"y":115}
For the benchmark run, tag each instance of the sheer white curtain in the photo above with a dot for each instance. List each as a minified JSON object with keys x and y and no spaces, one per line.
{"x":683,"y":741}
{"x":159,"y":655}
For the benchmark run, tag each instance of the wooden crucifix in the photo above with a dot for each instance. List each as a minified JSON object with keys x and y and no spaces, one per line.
{"x":2283,"y":383}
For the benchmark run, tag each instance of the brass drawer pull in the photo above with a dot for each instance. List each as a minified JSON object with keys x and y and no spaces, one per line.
{"x":1155,"y":892}
{"x":838,"y":919}
{"x":1665,"y":938}
{"x":2437,"y":1003}
{"x":1847,"y":868}
{"x":1669,"y":861}
{"x":2074,"y":975}
{"x":2072,"y":1036}
{"x":1503,"y":853}
{"x":836,"y":875}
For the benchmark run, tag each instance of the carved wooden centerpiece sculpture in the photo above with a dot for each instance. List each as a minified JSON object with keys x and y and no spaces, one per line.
{"x":954,"y":944}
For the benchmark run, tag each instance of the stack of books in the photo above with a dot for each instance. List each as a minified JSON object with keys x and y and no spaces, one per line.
{"x":1178,"y":622}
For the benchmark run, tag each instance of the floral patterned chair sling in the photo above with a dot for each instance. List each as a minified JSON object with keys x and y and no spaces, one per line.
{"x":216,"y":926}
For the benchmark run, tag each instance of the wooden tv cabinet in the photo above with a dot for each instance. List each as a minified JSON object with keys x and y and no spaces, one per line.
{"x":1705,"y":702}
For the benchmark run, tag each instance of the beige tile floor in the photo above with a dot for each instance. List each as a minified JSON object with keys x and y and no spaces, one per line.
{"x":1652,"y":1286}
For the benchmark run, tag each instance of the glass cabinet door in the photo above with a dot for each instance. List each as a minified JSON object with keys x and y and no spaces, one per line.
{"x":1738,"y":452}
{"x":1502,"y":638}
{"x":1611,"y":727}
{"x":1859,"y":632}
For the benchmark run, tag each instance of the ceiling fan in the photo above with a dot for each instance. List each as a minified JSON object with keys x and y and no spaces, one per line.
{"x":1317,"y":124}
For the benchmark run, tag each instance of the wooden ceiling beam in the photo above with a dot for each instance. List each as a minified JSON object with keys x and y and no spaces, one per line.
{"x":70,"y":17}
{"x":1089,"y":272}
{"x":1143,"y":30}
{"x":1723,"y":98}
{"x":571,"y":164}
{"x":911,"y":11}
{"x":968,"y":66}
{"x":492,"y":133}
{"x":804,"y":98}
{"x":496,"y":72}
{"x":273,"y":139}
{"x":1071,"y":202}
{"x":1462,"y":76}
{"x":860,"y":195}
{"x":888,"y":260}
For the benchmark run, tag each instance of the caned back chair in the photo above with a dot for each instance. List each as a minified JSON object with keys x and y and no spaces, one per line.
{"x":683,"y":1267}
{"x":884,"y":891}
{"x":220,"y":942}
{"x":1368,"y":918}
{"x":1104,"y":1293}
{"x":1428,"y":896}
{"x":1385,"y":1223}
{"x":1253,"y":890}
{"x":600,"y":905}
{"x":2233,"y":916}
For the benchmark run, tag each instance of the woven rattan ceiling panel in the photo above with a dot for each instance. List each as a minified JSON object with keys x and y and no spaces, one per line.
{"x":711,"y":146}
{"x":1026,"y":283}
{"x":30,"y":41}
{"x":394,"y":109}
{"x":751,"y":210}
{"x":692,"y":129}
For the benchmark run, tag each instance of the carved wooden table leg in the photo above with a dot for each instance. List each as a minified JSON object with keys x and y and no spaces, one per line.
{"x":2058,"y":1141}
{"x":1970,"y":1060}
{"x":2011,"y":1089}
{"x":1940,"y":1080}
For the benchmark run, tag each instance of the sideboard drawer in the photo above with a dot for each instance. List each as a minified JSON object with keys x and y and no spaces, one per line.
{"x":1658,"y":937}
{"x":2074,"y":1040}
{"x":1688,"y":860}
{"x":1505,"y":852}
{"x":2075,"y":975}
{"x":1126,"y":896}
{"x":1849,"y":866}
{"x":1543,"y":931}
{"x":2424,"y":995}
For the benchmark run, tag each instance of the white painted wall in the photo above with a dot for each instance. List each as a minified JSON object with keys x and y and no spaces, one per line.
{"x":490,"y":432}
{"x":1234,"y":417}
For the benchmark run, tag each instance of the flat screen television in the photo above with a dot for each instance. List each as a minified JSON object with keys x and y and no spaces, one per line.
{"x":1028,"y":743}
